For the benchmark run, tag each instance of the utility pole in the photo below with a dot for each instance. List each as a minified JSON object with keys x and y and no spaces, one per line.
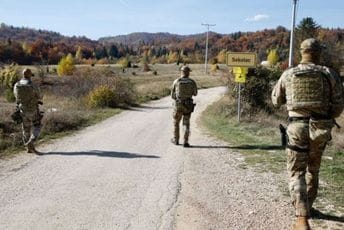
{"x":291,"y":49}
{"x":206,"y":46}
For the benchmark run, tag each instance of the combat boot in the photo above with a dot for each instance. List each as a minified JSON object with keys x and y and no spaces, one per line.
{"x":301,"y":223}
{"x":186,"y":144}
{"x":175,"y":141}
{"x":31,"y":149}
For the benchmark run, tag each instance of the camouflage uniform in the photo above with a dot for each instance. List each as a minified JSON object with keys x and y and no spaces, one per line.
{"x":314,"y":97}
{"x":28,"y":98}
{"x":182,"y":91}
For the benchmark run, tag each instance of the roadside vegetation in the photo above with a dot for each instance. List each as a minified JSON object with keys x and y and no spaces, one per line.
{"x":91,"y":94}
{"x":257,"y":135}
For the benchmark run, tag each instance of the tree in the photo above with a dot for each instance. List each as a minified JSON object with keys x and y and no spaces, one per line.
{"x":307,"y":28}
{"x":8,"y":77}
{"x":66,"y":65}
{"x":221,"y":56}
{"x":78,"y":54}
{"x":113,"y":51}
{"x":273,"y":57}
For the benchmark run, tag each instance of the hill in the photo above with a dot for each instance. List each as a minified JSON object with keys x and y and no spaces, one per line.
{"x":28,"y":46}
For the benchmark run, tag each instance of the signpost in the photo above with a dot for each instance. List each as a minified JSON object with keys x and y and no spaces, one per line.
{"x":240,"y":63}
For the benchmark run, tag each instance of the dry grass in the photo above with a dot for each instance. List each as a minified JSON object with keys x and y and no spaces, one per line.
{"x":65,"y":97}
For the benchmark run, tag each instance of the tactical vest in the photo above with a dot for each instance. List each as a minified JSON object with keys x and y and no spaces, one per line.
{"x":308,"y":89}
{"x":26,"y":96}
{"x":184,"y":88}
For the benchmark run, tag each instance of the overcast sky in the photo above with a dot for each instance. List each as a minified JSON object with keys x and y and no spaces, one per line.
{"x":99,"y":18}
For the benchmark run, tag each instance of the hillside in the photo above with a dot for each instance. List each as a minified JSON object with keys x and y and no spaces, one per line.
{"x":28,"y":46}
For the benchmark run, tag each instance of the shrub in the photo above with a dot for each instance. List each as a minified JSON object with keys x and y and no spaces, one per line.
{"x":101,"y":96}
{"x":256,"y":92}
{"x":214,"y":67}
{"x":146,"y":67}
{"x":66,"y":66}
{"x":8,"y":77}
{"x":124,"y":62}
{"x":61,"y":121}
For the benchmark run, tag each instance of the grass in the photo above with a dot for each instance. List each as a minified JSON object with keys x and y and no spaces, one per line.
{"x":258,"y":140}
{"x":64,"y":98}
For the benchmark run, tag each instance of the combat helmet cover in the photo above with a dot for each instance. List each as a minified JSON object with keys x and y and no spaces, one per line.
{"x":311,"y":45}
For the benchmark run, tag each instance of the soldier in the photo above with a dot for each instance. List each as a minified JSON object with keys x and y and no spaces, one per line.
{"x":28,"y":98}
{"x":182,"y":91}
{"x":313,"y":95}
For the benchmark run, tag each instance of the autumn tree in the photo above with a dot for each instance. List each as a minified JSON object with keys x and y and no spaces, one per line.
{"x":8,"y":77}
{"x":66,"y":65}
{"x":78,"y":54}
{"x":221,"y":56}
{"x":273,"y":57}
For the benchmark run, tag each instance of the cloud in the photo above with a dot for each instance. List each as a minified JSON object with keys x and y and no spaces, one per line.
{"x":257,"y":18}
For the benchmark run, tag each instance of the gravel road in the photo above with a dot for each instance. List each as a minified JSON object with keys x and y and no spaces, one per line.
{"x":124,"y":173}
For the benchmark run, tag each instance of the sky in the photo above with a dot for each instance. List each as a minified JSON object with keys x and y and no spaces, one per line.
{"x":100,"y":18}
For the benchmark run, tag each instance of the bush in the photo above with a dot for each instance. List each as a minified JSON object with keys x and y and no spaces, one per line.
{"x":124,"y":62}
{"x":66,"y":66}
{"x":146,"y":67}
{"x":101,"y":96}
{"x":8,"y":77}
{"x":256,"y":92}
{"x":61,"y":121}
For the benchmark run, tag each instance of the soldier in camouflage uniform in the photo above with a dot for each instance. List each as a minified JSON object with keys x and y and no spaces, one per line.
{"x":313,"y":95}
{"x":182,"y":91}
{"x":28,"y":98}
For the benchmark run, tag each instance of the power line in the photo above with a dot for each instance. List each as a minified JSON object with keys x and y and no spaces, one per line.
{"x":206,"y":46}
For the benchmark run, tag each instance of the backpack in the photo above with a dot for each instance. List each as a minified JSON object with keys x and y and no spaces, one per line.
{"x":184,"y":88}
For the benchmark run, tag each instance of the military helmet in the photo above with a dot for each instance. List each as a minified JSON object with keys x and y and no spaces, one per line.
{"x":185,"y":69}
{"x":311,"y":45}
{"x":27,"y":72}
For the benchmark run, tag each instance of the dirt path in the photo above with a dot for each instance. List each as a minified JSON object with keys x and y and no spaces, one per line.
{"x":125,"y":174}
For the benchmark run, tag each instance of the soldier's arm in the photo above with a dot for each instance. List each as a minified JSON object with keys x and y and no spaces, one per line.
{"x":278,"y":96}
{"x":337,"y":95}
{"x":195,"y":89}
{"x":15,"y":91}
{"x":173,"y":90}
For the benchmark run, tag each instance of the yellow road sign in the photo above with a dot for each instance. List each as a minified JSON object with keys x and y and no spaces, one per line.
{"x":240,"y":78}
{"x":238,"y":59}
{"x":240,"y":74}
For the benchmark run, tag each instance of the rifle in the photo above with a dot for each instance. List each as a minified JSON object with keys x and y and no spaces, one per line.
{"x":16,"y":116}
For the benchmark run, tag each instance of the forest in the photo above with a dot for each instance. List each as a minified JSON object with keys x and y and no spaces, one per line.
{"x":26,"y":46}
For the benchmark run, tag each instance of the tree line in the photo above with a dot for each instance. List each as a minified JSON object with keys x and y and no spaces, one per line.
{"x":28,"y":46}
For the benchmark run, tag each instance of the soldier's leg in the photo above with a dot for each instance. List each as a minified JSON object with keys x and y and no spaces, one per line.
{"x":297,"y":161}
{"x":320,"y":134}
{"x":36,"y":128}
{"x":312,"y":175}
{"x":177,"y":116}
{"x":26,"y":129}
{"x":296,"y":165}
{"x":186,"y":124}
